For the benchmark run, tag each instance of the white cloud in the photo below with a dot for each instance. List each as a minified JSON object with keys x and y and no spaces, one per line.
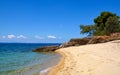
{"x":51,"y":37}
{"x":38,"y":37}
{"x":21,"y":36}
{"x":11,"y":36}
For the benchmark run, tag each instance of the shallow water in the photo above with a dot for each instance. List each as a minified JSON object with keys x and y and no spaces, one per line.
{"x":18,"y":59}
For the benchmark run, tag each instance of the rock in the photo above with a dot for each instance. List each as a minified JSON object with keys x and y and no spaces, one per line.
{"x":79,"y":41}
{"x":99,"y":39}
{"x":64,"y":45}
{"x":92,"y":40}
{"x":115,"y":35}
{"x":75,"y":42}
{"x":103,"y":39}
{"x":46,"y":49}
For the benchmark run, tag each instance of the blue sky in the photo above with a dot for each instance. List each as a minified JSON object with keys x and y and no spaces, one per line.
{"x":49,"y":20}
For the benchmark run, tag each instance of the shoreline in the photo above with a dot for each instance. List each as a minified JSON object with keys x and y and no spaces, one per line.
{"x":49,"y":65}
{"x":92,"y":59}
{"x":60,"y":64}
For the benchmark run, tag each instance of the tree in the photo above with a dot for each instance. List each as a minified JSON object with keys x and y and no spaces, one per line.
{"x":105,"y":24}
{"x":112,"y":25}
{"x":88,"y":29}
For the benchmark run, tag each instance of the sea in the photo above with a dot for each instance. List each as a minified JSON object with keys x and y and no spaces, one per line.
{"x":19,"y":59}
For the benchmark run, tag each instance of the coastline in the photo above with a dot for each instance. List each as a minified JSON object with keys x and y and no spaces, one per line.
{"x":59,"y":66}
{"x":49,"y":65}
{"x":93,"y":59}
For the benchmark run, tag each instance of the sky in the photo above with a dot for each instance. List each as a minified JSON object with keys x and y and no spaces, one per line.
{"x":49,"y":21}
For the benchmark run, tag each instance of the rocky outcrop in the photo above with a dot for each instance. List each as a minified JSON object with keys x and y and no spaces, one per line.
{"x":76,"y":42}
{"x":81,"y":41}
{"x":91,"y":40}
{"x":98,"y":39}
{"x":46,"y":49}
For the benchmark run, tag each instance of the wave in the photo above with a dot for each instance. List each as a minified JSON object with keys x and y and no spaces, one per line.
{"x":45,"y":71}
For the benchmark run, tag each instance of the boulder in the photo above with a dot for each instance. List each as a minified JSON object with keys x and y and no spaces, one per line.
{"x":79,"y":41}
{"x":64,"y":45}
{"x":75,"y":42}
{"x":99,"y":39}
{"x":46,"y":49}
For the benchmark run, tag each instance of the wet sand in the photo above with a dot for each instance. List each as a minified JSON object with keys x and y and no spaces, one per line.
{"x":47,"y":66}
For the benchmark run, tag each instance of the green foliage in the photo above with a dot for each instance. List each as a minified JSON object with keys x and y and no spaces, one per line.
{"x":112,"y":25}
{"x":105,"y":24}
{"x":88,"y":29}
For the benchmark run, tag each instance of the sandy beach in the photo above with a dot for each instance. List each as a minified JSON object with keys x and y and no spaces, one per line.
{"x":92,"y":59}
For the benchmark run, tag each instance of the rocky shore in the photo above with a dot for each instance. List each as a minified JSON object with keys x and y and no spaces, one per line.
{"x":81,"y":41}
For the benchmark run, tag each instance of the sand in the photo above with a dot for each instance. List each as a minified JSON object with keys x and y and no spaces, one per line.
{"x":92,"y":59}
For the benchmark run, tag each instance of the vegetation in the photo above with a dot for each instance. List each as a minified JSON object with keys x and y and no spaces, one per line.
{"x":105,"y":24}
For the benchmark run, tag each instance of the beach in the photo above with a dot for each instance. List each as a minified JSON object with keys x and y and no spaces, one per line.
{"x":91,"y":59}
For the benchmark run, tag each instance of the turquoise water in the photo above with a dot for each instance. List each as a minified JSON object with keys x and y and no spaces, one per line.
{"x":18,"y":59}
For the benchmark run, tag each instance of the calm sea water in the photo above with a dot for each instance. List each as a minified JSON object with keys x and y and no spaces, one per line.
{"x":18,"y":59}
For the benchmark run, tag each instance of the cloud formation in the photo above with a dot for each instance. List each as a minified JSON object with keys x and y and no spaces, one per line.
{"x":11,"y":36}
{"x":51,"y":37}
{"x":21,"y":37}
